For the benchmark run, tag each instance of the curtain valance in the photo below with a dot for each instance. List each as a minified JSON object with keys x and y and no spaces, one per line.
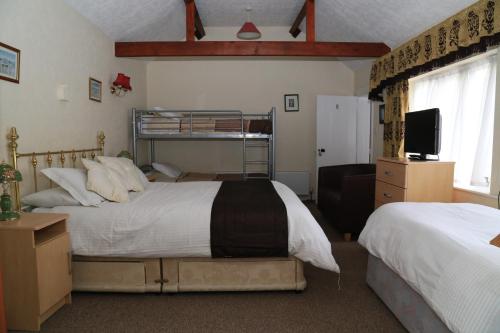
{"x":471,"y":31}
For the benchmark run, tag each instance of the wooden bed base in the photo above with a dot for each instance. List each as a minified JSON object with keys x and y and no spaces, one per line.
{"x":172,"y":275}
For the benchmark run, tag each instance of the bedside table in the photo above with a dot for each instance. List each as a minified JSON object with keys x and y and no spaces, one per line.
{"x":35,"y":259}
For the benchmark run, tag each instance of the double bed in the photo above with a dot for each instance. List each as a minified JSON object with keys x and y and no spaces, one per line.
{"x":160,"y":240}
{"x":434,"y":267}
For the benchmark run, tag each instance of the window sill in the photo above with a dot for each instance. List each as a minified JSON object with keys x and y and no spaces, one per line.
{"x":477,"y":190}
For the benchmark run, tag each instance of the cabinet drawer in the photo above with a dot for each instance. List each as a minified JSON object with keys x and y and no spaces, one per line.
{"x":54,"y":270}
{"x":392,"y":173}
{"x":385,"y":193}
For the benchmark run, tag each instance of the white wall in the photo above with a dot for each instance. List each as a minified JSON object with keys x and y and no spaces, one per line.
{"x":253,"y":86}
{"x":59,"y":46}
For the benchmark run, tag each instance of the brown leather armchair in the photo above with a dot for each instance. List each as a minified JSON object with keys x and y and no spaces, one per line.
{"x":346,"y":196}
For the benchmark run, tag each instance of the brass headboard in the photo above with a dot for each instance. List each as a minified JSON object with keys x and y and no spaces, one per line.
{"x":15,"y":155}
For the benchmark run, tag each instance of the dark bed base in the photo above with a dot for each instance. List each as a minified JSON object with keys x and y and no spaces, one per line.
{"x":406,"y":304}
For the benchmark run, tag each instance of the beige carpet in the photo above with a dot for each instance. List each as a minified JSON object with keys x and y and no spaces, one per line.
{"x":320,"y":308}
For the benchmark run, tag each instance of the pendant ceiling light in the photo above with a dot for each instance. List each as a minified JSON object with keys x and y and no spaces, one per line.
{"x":248,"y":31}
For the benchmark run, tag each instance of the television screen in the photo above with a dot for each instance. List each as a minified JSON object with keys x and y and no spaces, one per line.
{"x":423,"y":133}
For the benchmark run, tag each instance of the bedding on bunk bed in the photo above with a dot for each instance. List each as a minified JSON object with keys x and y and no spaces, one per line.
{"x":171,"y":125}
{"x":442,"y":251}
{"x":173,"y":220}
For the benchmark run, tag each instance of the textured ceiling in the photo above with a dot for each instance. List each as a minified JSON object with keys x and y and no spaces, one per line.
{"x":390,"y":21}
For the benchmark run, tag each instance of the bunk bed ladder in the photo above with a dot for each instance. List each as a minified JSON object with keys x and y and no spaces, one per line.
{"x":249,"y":144}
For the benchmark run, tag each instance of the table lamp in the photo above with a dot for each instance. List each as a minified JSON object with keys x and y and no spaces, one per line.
{"x":8,"y":175}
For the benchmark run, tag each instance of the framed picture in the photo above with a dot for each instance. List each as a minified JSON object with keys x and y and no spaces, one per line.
{"x":95,"y":90}
{"x":10,"y":62}
{"x":292,"y":103}
{"x":381,"y":112}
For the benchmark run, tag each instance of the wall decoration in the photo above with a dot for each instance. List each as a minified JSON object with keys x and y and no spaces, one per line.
{"x":381,"y":113}
{"x":95,"y":90}
{"x":292,"y":103}
{"x":10,"y":61}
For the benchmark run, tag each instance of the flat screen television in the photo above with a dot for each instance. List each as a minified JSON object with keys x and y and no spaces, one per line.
{"x":423,"y":133}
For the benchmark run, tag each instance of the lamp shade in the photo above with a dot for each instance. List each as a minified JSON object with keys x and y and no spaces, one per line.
{"x":9,"y":174}
{"x":122,"y":81}
{"x":248,"y":32}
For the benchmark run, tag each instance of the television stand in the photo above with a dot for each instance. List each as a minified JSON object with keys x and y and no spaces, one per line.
{"x":421,"y":157}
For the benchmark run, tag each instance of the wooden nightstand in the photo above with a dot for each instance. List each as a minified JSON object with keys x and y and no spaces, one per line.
{"x":35,"y":259}
{"x":400,"y":180}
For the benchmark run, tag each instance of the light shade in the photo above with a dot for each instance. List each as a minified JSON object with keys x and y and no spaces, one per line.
{"x":122,"y":81}
{"x":9,"y":174}
{"x":248,"y":32}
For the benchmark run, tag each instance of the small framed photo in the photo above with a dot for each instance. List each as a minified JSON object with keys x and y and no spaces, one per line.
{"x":95,"y":90}
{"x":381,"y":113}
{"x":292,"y":103}
{"x":10,"y":62}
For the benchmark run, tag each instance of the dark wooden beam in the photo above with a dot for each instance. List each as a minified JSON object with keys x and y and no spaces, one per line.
{"x":310,"y":21}
{"x":199,"y":30}
{"x":190,"y":15}
{"x":295,"y":29}
{"x":250,"y":48}
{"x":198,"y":25}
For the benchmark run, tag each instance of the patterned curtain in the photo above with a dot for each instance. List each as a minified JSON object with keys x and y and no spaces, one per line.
{"x":396,"y":101}
{"x":469,"y":32}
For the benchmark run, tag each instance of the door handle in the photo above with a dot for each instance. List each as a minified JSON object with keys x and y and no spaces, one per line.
{"x":387,"y":195}
{"x":321,"y":151}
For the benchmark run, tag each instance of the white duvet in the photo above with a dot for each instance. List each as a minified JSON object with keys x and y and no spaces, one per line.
{"x":173,"y":220}
{"x":443,"y":252}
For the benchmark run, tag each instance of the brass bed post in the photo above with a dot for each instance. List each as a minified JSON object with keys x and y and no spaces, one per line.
{"x":13,"y":150}
{"x":100,"y":139}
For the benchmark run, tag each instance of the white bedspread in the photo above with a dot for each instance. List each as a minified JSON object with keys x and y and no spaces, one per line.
{"x":173,"y":220}
{"x":443,"y":252}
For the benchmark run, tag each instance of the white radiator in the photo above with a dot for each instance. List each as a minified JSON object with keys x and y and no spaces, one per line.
{"x":298,"y":181}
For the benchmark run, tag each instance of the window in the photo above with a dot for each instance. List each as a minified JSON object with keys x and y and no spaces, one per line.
{"x":465,"y":95}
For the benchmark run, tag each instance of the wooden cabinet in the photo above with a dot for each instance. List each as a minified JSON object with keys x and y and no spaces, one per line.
{"x":35,"y":258}
{"x":3,"y":323}
{"x":404,"y":180}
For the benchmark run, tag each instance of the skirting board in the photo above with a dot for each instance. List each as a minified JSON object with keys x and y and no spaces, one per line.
{"x":172,"y":275}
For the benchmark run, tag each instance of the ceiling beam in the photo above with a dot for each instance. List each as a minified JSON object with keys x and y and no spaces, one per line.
{"x":295,"y":29}
{"x":194,"y":26}
{"x":310,"y":21}
{"x":307,"y":12}
{"x":190,"y":15}
{"x":198,"y":25}
{"x":250,"y":48}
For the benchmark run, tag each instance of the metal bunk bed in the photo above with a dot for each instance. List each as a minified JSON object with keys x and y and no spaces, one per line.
{"x":253,"y":130}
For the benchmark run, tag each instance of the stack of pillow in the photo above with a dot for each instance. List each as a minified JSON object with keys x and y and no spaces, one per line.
{"x":109,"y":179}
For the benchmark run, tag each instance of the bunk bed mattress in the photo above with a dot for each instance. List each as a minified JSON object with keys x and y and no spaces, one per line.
{"x":173,"y":220}
{"x":442,"y":251}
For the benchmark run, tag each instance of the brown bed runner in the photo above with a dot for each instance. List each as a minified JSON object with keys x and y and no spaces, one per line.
{"x":248,"y":219}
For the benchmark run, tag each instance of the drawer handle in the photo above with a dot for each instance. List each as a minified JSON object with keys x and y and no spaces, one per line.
{"x":387,"y":195}
{"x":70,"y":263}
{"x":388,"y":173}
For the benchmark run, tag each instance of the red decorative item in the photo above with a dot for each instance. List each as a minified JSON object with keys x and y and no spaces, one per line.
{"x":122,"y":81}
{"x":249,"y":31}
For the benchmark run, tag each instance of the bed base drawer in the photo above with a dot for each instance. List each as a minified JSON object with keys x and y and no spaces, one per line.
{"x":172,"y":275}
{"x":117,"y":276}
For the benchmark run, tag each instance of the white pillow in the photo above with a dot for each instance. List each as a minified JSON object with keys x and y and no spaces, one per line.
{"x":105,"y":181}
{"x":126,"y":170}
{"x":52,"y":197}
{"x":167,"y":169}
{"x":144,"y":180}
{"x":74,"y":181}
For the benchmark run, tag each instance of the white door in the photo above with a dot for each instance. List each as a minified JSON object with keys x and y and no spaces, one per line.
{"x":343,"y":125}
{"x":342,"y":130}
